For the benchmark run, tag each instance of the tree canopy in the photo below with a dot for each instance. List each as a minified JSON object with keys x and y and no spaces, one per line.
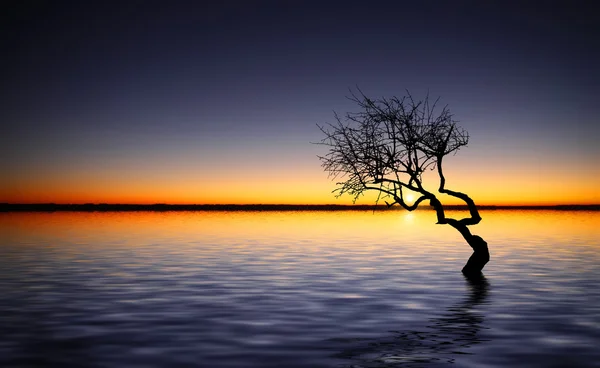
{"x":388,"y":144}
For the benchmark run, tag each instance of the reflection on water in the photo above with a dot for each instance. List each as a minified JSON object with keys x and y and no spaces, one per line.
{"x":306,"y":289}
{"x":440,"y":341}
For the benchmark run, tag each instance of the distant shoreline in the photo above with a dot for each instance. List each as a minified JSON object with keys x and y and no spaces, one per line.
{"x":102,"y":207}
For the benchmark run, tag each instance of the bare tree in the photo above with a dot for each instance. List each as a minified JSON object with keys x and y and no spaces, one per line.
{"x":387,"y":146}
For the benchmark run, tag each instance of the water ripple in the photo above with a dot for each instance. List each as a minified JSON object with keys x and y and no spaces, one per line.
{"x":295,"y":290}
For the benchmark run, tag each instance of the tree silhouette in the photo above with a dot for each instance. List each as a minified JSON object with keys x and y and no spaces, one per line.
{"x":387,"y":146}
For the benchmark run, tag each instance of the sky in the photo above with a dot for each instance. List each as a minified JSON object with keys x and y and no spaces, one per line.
{"x":198,"y":102}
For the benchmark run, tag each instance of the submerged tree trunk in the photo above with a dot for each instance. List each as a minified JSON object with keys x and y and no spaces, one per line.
{"x":481,"y":254}
{"x":479,"y":258}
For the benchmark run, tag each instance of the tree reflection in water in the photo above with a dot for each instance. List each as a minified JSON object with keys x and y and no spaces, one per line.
{"x":439,"y":343}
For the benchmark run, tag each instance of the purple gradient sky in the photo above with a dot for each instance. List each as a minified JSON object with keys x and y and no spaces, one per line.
{"x":147,"y":95}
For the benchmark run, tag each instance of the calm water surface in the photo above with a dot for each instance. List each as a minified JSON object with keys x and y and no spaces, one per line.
{"x":297,"y":289}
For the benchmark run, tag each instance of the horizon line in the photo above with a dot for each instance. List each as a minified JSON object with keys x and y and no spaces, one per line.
{"x":118,"y":207}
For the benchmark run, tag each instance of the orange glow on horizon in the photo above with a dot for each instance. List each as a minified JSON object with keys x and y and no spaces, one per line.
{"x":296,"y":194}
{"x":298,"y":184}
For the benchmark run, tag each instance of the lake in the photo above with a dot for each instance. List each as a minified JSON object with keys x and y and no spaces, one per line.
{"x":297,"y":289}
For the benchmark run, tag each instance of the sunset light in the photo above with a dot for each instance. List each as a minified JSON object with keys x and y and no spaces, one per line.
{"x":233,"y":118}
{"x":299,"y":184}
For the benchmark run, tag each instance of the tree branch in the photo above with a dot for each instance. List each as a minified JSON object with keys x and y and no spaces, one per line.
{"x":475,"y":217}
{"x":390,"y":143}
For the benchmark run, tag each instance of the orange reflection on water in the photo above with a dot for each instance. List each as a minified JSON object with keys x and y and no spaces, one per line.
{"x":196,"y":226}
{"x":355,"y":241}
{"x":200,"y":225}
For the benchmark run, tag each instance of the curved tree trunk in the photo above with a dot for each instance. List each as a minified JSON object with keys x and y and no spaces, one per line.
{"x":479,"y":258}
{"x":481,"y":254}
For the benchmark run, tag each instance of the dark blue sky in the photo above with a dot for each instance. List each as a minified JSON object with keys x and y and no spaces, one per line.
{"x":124,"y":86}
